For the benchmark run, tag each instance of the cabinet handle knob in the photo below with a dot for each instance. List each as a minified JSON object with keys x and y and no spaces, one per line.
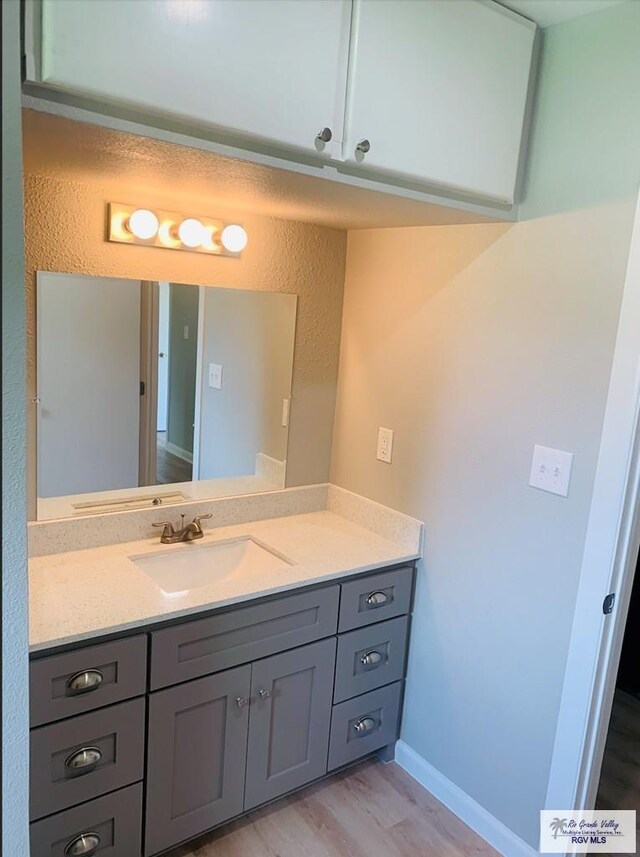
{"x":370,"y":659}
{"x":325,"y":135}
{"x":364,"y":725}
{"x":377,"y":599}
{"x":84,"y":760}
{"x":242,"y":701}
{"x":84,"y":845}
{"x":264,"y":694}
{"x":84,"y":682}
{"x":363,"y":146}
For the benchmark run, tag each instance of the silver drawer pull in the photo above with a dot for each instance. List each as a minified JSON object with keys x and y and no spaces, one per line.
{"x":264,"y":694}
{"x":85,"y":760}
{"x":85,"y":845}
{"x":242,"y":701}
{"x":377,"y":599}
{"x":364,"y":725}
{"x":371,"y":659}
{"x":84,"y":681}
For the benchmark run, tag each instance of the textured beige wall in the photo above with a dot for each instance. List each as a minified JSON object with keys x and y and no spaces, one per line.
{"x":473,"y":343}
{"x":65,"y":231}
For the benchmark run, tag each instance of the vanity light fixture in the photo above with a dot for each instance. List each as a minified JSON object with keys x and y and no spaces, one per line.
{"x":130,"y":224}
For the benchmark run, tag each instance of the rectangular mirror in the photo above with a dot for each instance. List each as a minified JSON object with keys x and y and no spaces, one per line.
{"x":151,"y":393}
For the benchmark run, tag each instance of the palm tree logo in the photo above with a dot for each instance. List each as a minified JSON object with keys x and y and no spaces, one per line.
{"x":557,"y":825}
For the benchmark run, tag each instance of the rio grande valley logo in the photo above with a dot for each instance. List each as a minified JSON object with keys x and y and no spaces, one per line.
{"x":575,"y":832}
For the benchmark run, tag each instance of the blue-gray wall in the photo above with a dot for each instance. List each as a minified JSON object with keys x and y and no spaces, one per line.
{"x":15,"y":718}
{"x":474,"y":343}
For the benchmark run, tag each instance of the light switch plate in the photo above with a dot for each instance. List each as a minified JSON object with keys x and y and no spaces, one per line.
{"x":285,"y":413}
{"x":215,"y":376}
{"x":385,"y":445}
{"x":551,"y":470}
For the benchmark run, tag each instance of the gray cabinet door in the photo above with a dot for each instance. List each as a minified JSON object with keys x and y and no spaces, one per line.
{"x":289,"y":721}
{"x":196,"y":756}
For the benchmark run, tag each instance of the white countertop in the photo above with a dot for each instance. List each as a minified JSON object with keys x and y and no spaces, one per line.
{"x":80,"y":594}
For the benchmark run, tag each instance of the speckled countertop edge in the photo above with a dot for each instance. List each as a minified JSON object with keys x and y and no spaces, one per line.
{"x":92,"y":592}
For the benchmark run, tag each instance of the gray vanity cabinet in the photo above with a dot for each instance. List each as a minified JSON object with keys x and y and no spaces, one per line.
{"x":291,"y":696}
{"x":197,"y":747}
{"x":202,"y":720}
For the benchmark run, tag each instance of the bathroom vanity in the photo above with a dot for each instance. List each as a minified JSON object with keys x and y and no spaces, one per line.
{"x":183,"y":709}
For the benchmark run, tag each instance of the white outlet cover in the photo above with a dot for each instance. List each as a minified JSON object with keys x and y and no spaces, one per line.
{"x":551,"y":470}
{"x":385,"y":445}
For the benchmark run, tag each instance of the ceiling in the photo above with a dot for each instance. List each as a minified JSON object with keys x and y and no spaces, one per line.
{"x":139,"y":167}
{"x":548,"y":12}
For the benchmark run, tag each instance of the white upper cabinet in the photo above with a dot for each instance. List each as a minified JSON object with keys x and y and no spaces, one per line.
{"x":437,"y":91}
{"x":431,"y":91}
{"x":270,"y":69}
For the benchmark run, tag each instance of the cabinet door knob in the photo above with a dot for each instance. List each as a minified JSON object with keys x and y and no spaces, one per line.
{"x":370,"y":659}
{"x":325,"y":135}
{"x":84,"y":845}
{"x":377,"y":599}
{"x":264,"y":694}
{"x":364,"y":725}
{"x":84,"y":682}
{"x":363,"y":146}
{"x":85,"y":760}
{"x":242,"y":701}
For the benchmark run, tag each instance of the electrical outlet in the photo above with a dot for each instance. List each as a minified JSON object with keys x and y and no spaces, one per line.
{"x":215,"y":376}
{"x":551,"y":470}
{"x":385,"y":445}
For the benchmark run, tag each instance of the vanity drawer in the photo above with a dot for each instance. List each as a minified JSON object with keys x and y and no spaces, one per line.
{"x":75,"y":682}
{"x":374,"y":598}
{"x":364,"y":724}
{"x":113,"y":737}
{"x":228,"y":639}
{"x":111,"y":825}
{"x":370,"y":657}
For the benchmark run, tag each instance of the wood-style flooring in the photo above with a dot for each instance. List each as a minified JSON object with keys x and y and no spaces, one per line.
{"x":370,"y":810}
{"x":170,"y":468}
{"x":620,"y":778}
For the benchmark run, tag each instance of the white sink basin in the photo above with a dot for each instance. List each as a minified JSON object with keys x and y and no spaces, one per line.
{"x":187,"y":566}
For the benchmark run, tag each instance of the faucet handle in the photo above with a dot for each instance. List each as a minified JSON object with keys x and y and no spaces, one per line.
{"x":199,"y":518}
{"x":168,"y":528}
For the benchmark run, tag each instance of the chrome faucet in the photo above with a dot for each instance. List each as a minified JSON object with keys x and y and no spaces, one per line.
{"x":184,"y":533}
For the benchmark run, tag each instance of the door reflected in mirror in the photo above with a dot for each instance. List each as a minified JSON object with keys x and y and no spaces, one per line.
{"x":150,"y":393}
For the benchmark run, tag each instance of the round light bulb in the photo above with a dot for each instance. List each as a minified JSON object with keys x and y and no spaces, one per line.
{"x":234,"y":238}
{"x":191,"y":232}
{"x":142,"y":223}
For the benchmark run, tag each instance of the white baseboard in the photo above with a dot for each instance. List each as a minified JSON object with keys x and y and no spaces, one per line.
{"x":505,"y":841}
{"x":179,"y":452}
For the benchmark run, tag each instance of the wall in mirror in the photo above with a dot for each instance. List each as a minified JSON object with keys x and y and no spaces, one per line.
{"x":154,"y":392}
